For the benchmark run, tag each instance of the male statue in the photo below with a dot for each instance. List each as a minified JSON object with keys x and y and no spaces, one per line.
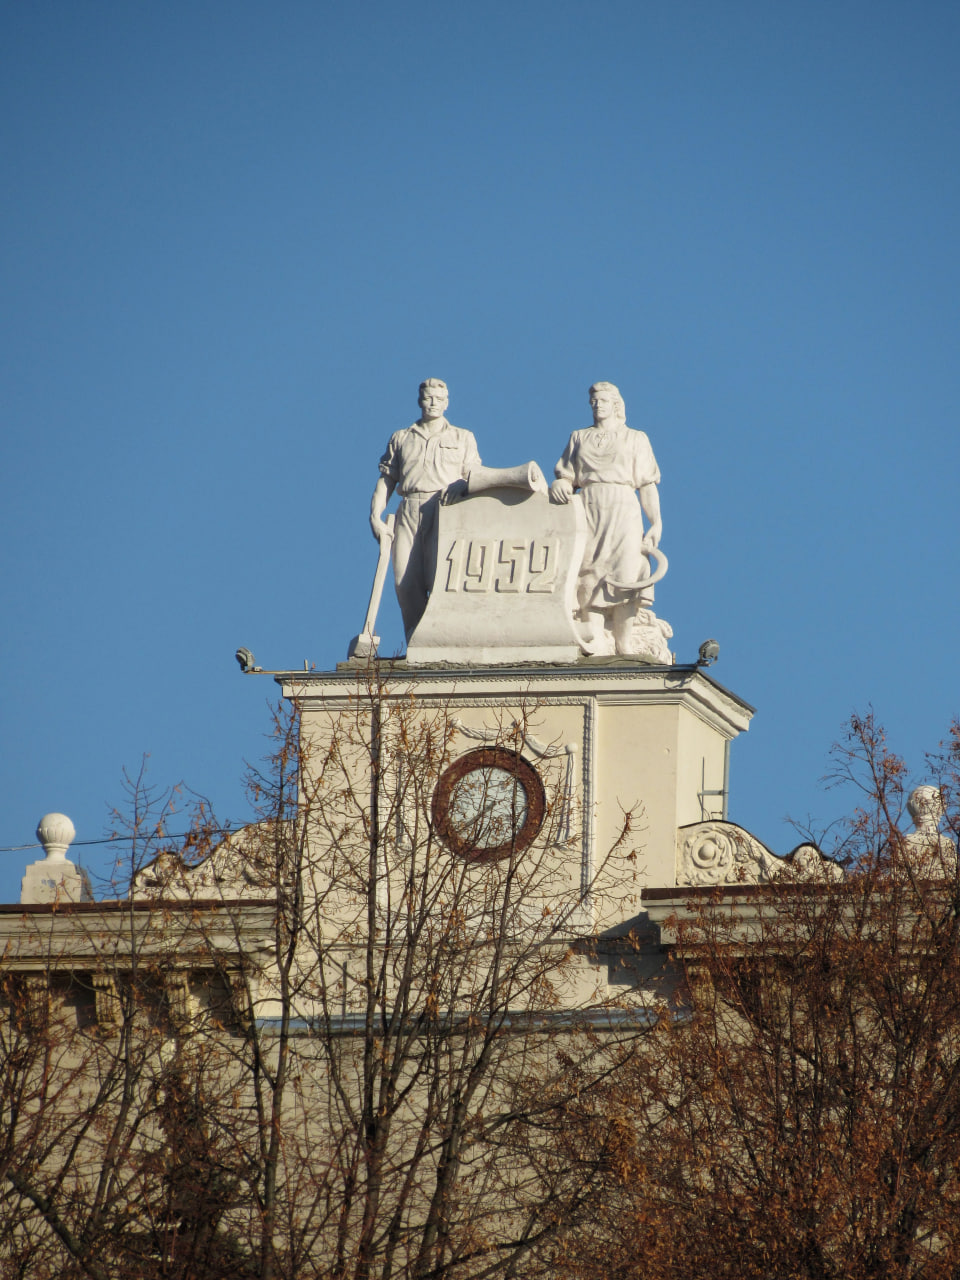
{"x":427,"y":463}
{"x":929,"y":852}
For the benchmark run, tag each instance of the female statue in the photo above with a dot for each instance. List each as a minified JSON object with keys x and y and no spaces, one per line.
{"x":611,"y":464}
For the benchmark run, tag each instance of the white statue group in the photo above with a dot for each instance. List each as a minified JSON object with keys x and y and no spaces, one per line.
{"x":609,"y":465}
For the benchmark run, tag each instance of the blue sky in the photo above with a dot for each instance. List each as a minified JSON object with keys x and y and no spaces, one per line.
{"x":234,"y":238}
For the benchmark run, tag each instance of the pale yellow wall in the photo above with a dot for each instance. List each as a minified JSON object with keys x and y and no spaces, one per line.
{"x":636,"y":768}
{"x":650,"y":741}
{"x":700,"y":751}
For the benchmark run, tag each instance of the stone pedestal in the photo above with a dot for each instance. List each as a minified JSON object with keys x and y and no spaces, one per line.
{"x":57,"y":882}
{"x":505,"y":588}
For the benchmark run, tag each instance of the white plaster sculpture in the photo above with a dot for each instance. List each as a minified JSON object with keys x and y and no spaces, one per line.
{"x":55,"y":878}
{"x":610,"y":464}
{"x":649,"y":637}
{"x":366,"y":644}
{"x":426,"y":463}
{"x":721,"y":853}
{"x":431,"y":464}
{"x":505,"y":588}
{"x":231,"y":870}
{"x":929,"y":851}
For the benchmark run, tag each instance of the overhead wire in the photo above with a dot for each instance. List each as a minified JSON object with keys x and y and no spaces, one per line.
{"x":120,"y":839}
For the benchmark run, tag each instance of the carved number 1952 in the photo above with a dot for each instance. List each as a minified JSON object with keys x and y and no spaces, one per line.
{"x":490,"y":565}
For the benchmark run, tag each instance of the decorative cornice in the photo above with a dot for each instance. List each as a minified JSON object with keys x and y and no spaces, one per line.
{"x":611,"y":683}
{"x":721,"y":853}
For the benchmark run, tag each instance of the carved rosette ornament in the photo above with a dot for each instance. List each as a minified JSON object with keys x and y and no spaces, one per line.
{"x":710,"y":854}
{"x":723,"y":853}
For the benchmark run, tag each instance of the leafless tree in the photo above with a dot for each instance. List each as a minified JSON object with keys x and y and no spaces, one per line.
{"x":798,"y":1112}
{"x":339,"y":1044}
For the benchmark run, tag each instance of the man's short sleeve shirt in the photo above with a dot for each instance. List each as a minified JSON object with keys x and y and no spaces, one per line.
{"x":417,"y":461}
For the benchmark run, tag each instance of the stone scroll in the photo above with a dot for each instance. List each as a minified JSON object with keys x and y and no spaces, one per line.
{"x":505,"y":587}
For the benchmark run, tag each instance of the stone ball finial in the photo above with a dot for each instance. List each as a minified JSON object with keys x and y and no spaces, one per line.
{"x":55,"y":832}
